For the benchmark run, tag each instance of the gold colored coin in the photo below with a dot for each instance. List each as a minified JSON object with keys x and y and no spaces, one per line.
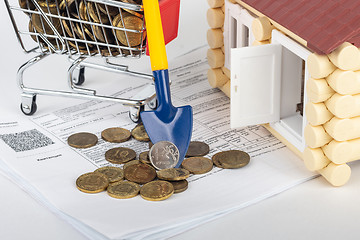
{"x":83,"y":11}
{"x":157,"y":190}
{"x":82,"y":140}
{"x":231,"y":159}
{"x":111,"y":11}
{"x":120,"y":155}
{"x":116,"y":135}
{"x":140,"y":173}
{"x":123,"y":189}
{"x":97,"y":16}
{"x":27,"y":4}
{"x":104,"y":34}
{"x":131,"y":163}
{"x":138,"y":14}
{"x":144,"y":157}
{"x":131,"y":22}
{"x":92,"y":182}
{"x":106,"y":53}
{"x":114,"y":174}
{"x":179,"y":186}
{"x":42,"y":26}
{"x":173,"y":174}
{"x":140,"y":134}
{"x":197,"y":165}
{"x":197,"y":149}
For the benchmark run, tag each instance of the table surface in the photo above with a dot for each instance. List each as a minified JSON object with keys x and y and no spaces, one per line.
{"x":313,"y":210}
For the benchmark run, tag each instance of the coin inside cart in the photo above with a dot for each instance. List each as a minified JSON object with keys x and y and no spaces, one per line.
{"x":82,"y":140}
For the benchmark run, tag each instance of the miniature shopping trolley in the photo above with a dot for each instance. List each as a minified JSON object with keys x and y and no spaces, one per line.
{"x":83,"y":30}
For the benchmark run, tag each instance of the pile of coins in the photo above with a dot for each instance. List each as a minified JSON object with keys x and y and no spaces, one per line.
{"x":89,"y":27}
{"x":145,"y":176}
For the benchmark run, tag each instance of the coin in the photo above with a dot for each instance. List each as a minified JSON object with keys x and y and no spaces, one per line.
{"x":144,"y":157}
{"x":132,"y":162}
{"x":123,"y":189}
{"x":116,"y":135}
{"x":42,"y":26}
{"x":197,"y":165}
{"x":231,"y":159}
{"x":138,"y":14}
{"x":113,"y":173}
{"x":83,"y":11}
{"x":173,"y":174}
{"x":120,"y":155}
{"x":110,"y":10}
{"x":82,"y":140}
{"x":92,"y":182}
{"x":96,"y":14}
{"x":27,"y":4}
{"x":197,"y":149}
{"x":129,"y":22}
{"x":104,"y":34}
{"x":164,"y":155}
{"x":179,"y":186}
{"x":157,"y":190}
{"x":140,"y":173}
{"x":106,"y":53}
{"x":140,"y":134}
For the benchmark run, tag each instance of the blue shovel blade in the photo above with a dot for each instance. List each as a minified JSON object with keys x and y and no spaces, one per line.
{"x":177,"y":131}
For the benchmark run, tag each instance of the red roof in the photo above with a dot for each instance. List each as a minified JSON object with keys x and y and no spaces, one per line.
{"x":324,"y":24}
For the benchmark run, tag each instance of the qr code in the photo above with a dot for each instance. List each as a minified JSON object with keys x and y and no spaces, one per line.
{"x":27,"y":140}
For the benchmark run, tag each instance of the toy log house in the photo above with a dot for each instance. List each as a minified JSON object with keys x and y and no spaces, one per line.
{"x":300,"y":77}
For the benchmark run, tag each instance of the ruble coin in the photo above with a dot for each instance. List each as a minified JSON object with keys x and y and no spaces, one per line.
{"x":179,"y":186}
{"x":157,"y":190}
{"x":114,"y":174}
{"x":140,"y":173}
{"x":197,"y":165}
{"x":133,"y":23}
{"x":82,"y":140}
{"x":231,"y":159}
{"x":197,"y":149}
{"x":120,"y":155}
{"x":140,"y":134}
{"x":92,"y":182}
{"x":144,"y":157}
{"x":123,"y":189}
{"x":173,"y":174}
{"x":164,"y":154}
{"x":116,"y":135}
{"x":131,"y":163}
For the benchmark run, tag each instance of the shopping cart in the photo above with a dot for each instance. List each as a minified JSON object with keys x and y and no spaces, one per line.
{"x":82,"y":30}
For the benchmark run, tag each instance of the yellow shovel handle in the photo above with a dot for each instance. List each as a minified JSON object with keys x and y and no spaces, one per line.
{"x":155,"y":35}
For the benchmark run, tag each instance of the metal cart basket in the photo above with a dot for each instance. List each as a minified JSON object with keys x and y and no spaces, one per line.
{"x":82,"y":29}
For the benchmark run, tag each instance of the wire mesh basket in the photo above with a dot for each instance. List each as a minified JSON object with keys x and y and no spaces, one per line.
{"x":82,"y":29}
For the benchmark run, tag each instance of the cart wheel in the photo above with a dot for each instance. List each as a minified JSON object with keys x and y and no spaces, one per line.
{"x":29,"y":110}
{"x":153,"y":103}
{"x":134,"y":113}
{"x":80,"y":77}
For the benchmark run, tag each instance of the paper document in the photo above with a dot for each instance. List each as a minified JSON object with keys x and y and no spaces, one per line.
{"x":34,"y":152}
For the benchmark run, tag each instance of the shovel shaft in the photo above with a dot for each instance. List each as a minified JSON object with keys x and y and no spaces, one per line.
{"x":162,"y":88}
{"x":155,"y":35}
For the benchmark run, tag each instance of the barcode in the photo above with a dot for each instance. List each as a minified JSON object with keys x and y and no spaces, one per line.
{"x":27,"y":140}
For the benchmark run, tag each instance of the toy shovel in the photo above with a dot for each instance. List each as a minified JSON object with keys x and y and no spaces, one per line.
{"x":166,"y":123}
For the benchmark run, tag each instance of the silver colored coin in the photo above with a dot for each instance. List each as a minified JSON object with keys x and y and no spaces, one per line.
{"x":164,"y":155}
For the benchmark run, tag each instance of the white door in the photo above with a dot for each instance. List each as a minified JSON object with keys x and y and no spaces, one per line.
{"x":255,"y":85}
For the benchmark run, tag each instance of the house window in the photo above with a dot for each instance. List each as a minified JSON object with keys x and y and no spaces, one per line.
{"x":236,"y":29}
